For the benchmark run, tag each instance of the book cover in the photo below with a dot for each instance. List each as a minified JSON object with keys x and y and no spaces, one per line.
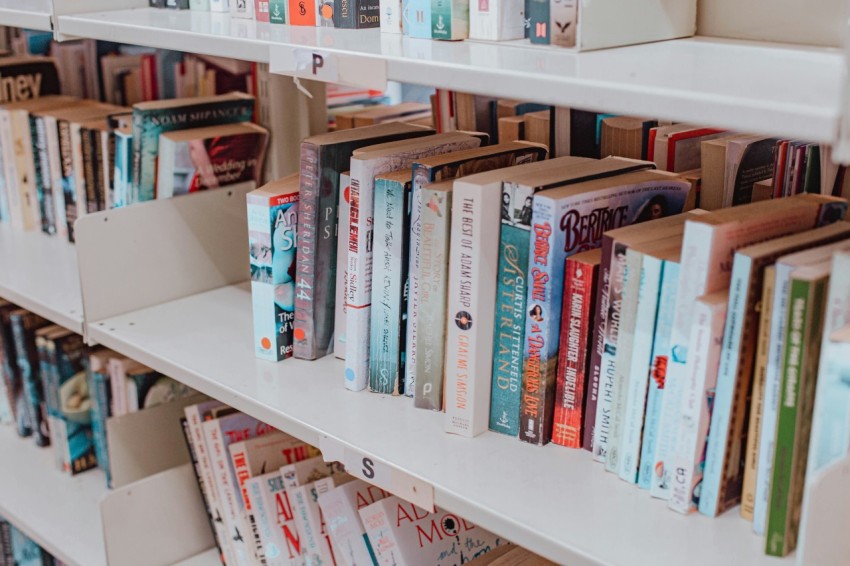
{"x":209,"y":158}
{"x":404,"y":534}
{"x":537,"y":12}
{"x":272,"y":224}
{"x":747,"y":161}
{"x":340,"y":506}
{"x":344,"y":210}
{"x":797,"y":392}
{"x":697,"y":400}
{"x":650,"y":476}
{"x":432,"y":294}
{"x":310,"y":520}
{"x":725,"y":455}
{"x":24,"y":324}
{"x":323,"y":158}
{"x":365,"y":165}
{"x":151,"y":119}
{"x":566,"y":221}
{"x":242,"y":9}
{"x":496,"y":21}
{"x":416,"y":18}
{"x":390,"y":290}
{"x":580,"y":276}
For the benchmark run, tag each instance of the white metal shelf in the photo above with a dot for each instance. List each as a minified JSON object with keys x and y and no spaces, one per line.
{"x":28,"y":14}
{"x":39,"y":273}
{"x":554,"y":501}
{"x":59,"y":512}
{"x":748,"y":86}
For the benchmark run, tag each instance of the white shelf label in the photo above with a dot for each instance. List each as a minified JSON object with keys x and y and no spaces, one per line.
{"x":378,"y":472}
{"x":329,"y":67}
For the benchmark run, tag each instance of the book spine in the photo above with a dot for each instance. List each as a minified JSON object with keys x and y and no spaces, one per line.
{"x":748,"y":495}
{"x":658,"y":373}
{"x":359,"y":290}
{"x":89,"y":170}
{"x":432,"y":297}
{"x":277,"y":12}
{"x":470,"y":312}
{"x":222,"y":476}
{"x":106,"y":168}
{"x":311,"y":527}
{"x":496,"y":21}
{"x":80,"y":186}
{"x":509,"y":333}
{"x":5,"y":187}
{"x":10,"y":175}
{"x":99,"y":387}
{"x":44,"y":177}
{"x":542,"y":324}
{"x":418,"y":18}
{"x":600,"y":318}
{"x":570,"y":390}
{"x":68,"y":177}
{"x":54,"y":158}
{"x":28,"y":366}
{"x":390,"y":16}
{"x":242,"y":9}
{"x":721,"y":487}
{"x":639,"y":368}
{"x":302,"y":13}
{"x":386,"y":347}
{"x":563,"y":18}
{"x":538,"y":16}
{"x":261,"y":10}
{"x":219,"y":6}
{"x":344,"y":212}
{"x":414,"y":258}
{"x":607,"y":348}
{"x":24,"y":165}
{"x":697,"y":401}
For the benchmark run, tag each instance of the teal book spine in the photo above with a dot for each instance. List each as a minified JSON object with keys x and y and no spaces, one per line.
{"x":389,"y":286}
{"x":71,"y":412}
{"x":277,"y":11}
{"x":538,"y":17}
{"x":509,"y":332}
{"x":99,"y":389}
{"x":449,"y":19}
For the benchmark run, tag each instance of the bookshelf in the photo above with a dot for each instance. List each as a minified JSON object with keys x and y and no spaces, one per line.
{"x":30,"y":14}
{"x":39,"y":273}
{"x":723,"y":83}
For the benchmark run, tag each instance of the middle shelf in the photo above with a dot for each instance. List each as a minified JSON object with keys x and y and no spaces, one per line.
{"x":555,"y":501}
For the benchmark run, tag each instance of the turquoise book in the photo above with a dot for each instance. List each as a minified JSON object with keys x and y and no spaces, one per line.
{"x":416,"y":18}
{"x":391,"y":240}
{"x":150,"y":119}
{"x":101,"y":403}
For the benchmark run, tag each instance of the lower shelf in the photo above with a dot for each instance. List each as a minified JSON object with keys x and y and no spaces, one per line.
{"x":59,"y":512}
{"x":553,"y":501}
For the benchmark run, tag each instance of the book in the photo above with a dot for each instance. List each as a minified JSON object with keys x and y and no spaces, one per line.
{"x":151,"y":119}
{"x":28,"y":77}
{"x":658,"y":483}
{"x":278,"y":10}
{"x":272,"y":225}
{"x":242,"y":9}
{"x":219,"y":6}
{"x":303,"y":13}
{"x":11,"y":372}
{"x":199,"y":5}
{"x":512,"y":277}
{"x":537,"y":13}
{"x":625,"y":136}
{"x":713,"y":167}
{"x":416,"y":18}
{"x":688,"y":456}
{"x":24,"y":325}
{"x":323,"y":158}
{"x":404,"y":534}
{"x":449,"y":19}
{"x":580,"y":276}
{"x":496,"y":21}
{"x":44,"y":373}
{"x":208,"y":158}
{"x":563,"y":20}
{"x":340,"y":507}
{"x":725,"y":452}
{"x":341,"y":261}
{"x":366,"y":164}
{"x":748,"y":492}
{"x":797,"y":393}
{"x":677,"y":147}
{"x":747,"y":160}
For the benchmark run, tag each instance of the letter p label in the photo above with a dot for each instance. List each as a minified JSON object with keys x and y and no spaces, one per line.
{"x":318,"y":62}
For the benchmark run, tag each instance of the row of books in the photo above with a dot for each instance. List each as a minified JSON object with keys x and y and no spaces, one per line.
{"x":57,"y":390}
{"x":17,"y":549}
{"x":272,"y":499}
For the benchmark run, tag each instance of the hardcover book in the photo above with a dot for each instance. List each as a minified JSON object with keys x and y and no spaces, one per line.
{"x":496,"y":21}
{"x":209,"y":158}
{"x":151,"y":119}
{"x":272,"y":224}
{"x":565,"y":221}
{"x":323,"y":158}
{"x":340,"y":507}
{"x":24,"y":325}
{"x":449,"y":19}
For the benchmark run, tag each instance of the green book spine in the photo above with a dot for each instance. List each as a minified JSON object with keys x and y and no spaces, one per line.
{"x":277,"y":11}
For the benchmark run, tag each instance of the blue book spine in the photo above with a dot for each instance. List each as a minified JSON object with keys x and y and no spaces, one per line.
{"x":417,"y":19}
{"x":660,"y":349}
{"x":389,"y":287}
{"x":100,"y":392}
{"x":69,"y":366}
{"x":509,"y":332}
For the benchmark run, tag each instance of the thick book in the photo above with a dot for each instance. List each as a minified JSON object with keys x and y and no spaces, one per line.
{"x":24,"y":326}
{"x":366,"y":164}
{"x":403,"y":534}
{"x":344,"y":210}
{"x":713,"y":166}
{"x":496,"y":21}
{"x":209,"y":158}
{"x":272,"y":225}
{"x":580,"y":275}
{"x":323,"y":158}
{"x":151,"y":119}
{"x":806,"y":305}
{"x":341,"y":509}
{"x":11,"y":373}
{"x":697,"y":400}
{"x":449,"y":19}
{"x":725,"y":454}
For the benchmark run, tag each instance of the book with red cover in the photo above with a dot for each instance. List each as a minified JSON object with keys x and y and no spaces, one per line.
{"x":580,"y":278}
{"x":686,"y":156}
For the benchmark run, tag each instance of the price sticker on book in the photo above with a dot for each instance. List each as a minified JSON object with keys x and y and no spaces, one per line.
{"x":329,"y":67}
{"x":378,"y":472}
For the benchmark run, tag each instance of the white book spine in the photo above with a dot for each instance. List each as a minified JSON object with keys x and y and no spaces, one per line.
{"x":26,"y":169}
{"x":242,"y":9}
{"x":311,"y":527}
{"x":639,"y":367}
{"x":219,"y":6}
{"x":473,"y":264}
{"x":496,"y":20}
{"x":563,"y":22}
{"x":342,"y":266}
{"x":381,"y":535}
{"x":165,"y":168}
{"x":16,"y":211}
{"x":697,"y":400}
{"x":390,"y":16}
{"x":199,"y":5}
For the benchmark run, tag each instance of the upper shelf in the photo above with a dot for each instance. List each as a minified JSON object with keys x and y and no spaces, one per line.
{"x":554,"y":501}
{"x":39,"y":273}
{"x":29,"y":14}
{"x":748,"y":86}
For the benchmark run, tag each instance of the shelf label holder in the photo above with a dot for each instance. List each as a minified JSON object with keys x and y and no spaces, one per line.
{"x":328,"y":66}
{"x":378,"y":472}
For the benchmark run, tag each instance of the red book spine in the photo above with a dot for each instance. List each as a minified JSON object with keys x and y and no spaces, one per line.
{"x":576,"y":322}
{"x":650,"y":144}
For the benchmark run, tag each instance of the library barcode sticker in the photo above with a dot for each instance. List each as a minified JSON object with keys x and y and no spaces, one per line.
{"x":378,"y":472}
{"x":329,"y":67}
